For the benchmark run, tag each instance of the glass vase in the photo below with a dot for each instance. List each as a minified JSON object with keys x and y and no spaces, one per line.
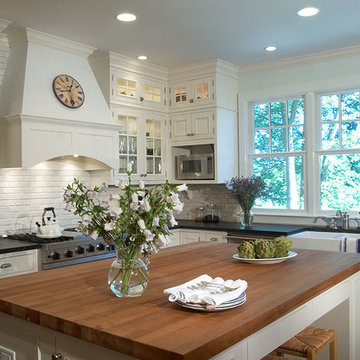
{"x":246,"y":218}
{"x":128,"y":274}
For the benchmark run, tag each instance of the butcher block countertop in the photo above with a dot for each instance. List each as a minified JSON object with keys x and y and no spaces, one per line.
{"x":76,"y":300}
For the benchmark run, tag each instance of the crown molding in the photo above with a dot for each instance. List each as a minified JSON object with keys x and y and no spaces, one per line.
{"x":302,"y":60}
{"x":4,"y":40}
{"x":124,"y":63}
{"x":4,"y":24}
{"x":27,"y":35}
{"x":46,"y":119}
{"x":204,"y":68}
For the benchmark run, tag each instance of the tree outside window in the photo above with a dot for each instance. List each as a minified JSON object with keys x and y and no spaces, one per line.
{"x":340,"y":151}
{"x":278,"y":152}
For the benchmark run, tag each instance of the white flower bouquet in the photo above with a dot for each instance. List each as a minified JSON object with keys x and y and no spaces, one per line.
{"x":136,"y":220}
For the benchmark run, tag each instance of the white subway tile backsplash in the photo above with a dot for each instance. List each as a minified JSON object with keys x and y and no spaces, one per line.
{"x":204,"y":195}
{"x":25,"y":192}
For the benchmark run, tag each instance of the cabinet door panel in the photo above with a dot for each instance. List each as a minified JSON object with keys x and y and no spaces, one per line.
{"x":187,"y":237}
{"x":203,"y":91}
{"x":15,"y":344}
{"x":180,"y":95}
{"x":203,"y":124}
{"x":180,"y":126}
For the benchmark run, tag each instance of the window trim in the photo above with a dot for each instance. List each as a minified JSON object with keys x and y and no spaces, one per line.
{"x":312,"y":151}
{"x":251,"y":154}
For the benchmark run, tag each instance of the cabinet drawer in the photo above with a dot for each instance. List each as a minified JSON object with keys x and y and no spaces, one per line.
{"x":216,"y":237}
{"x":188,"y":237}
{"x":18,"y":263}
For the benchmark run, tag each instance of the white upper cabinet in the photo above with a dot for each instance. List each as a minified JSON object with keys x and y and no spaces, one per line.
{"x":137,"y":91}
{"x":189,"y":94}
{"x":130,"y":82}
{"x":141,"y":143}
{"x":189,"y":126}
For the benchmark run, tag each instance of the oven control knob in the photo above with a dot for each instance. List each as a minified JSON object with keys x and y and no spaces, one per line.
{"x":110,"y":247}
{"x":55,"y":255}
{"x":68,"y":253}
{"x":90,"y":248}
{"x":100,"y":247}
{"x":79,"y":250}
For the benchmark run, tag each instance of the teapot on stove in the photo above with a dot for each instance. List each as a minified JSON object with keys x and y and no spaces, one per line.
{"x":49,"y":228}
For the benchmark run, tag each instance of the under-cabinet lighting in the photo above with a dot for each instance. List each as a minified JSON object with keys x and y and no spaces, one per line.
{"x":308,"y":11}
{"x":126,"y":17}
{"x":76,"y":155}
{"x":271,"y":48}
{"x":142,"y":57}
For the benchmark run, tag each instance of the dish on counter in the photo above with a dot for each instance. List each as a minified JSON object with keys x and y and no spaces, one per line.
{"x":268,"y":261}
{"x":224,"y":306}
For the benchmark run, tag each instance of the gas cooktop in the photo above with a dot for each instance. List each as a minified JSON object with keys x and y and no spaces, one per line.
{"x":31,"y":237}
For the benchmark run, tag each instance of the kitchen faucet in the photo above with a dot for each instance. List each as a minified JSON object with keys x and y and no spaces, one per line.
{"x":342,"y":218}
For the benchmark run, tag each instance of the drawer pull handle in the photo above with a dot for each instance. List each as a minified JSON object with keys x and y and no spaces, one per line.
{"x":5,"y":266}
{"x":213,"y":239}
{"x":56,"y":356}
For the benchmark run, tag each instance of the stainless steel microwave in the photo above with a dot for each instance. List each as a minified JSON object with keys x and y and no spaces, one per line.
{"x":195,"y":166}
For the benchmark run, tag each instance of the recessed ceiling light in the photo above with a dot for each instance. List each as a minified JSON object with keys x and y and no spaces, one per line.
{"x":127,"y":17}
{"x":142,"y":57}
{"x":308,"y":11}
{"x":270,"y":48}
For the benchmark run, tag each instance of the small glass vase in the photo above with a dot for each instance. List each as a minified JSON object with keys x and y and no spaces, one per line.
{"x":246,"y":218}
{"x":128,"y":274}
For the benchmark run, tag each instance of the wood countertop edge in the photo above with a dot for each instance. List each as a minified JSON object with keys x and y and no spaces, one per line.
{"x":144,"y":351}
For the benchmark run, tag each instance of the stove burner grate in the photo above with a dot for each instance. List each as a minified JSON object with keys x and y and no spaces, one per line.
{"x":33,"y":238}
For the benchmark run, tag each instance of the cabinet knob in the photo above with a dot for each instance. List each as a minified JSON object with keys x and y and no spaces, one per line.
{"x":5,"y":266}
{"x":56,"y":356}
{"x":191,"y":101}
{"x":213,"y":239}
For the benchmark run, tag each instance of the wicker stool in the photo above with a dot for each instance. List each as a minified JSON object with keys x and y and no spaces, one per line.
{"x":309,"y":342}
{"x":274,"y":357}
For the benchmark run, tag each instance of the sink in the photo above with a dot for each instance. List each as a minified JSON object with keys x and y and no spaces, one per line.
{"x":316,"y":240}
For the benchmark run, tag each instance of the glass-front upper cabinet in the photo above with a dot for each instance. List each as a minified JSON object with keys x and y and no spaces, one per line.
{"x":129,"y":89}
{"x":153,"y":147}
{"x":192,"y":93}
{"x":142,"y":145}
{"x":124,"y":89}
{"x":128,"y":140}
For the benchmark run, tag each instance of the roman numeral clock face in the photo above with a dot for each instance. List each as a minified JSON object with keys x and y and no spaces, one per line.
{"x":68,"y":91}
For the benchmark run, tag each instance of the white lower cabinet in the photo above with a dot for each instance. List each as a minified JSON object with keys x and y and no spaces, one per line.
{"x":187,"y":236}
{"x":17,"y":263}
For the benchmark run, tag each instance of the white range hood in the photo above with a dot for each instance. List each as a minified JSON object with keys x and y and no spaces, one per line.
{"x":34,"y":125}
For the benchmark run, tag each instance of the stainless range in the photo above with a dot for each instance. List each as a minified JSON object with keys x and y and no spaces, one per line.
{"x":72,"y":248}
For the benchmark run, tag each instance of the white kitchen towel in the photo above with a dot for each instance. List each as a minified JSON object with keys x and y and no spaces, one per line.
{"x":206,"y":290}
{"x":184,"y":292}
{"x":350,"y":244}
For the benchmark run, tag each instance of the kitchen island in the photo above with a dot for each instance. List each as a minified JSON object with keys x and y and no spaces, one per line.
{"x":76,"y":304}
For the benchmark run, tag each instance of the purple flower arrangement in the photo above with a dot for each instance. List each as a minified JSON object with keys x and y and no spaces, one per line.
{"x":245,"y":190}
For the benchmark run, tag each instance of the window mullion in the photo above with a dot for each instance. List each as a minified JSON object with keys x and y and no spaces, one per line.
{"x":312,"y":131}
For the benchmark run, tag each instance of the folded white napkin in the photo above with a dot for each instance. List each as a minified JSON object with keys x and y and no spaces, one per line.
{"x":350,"y":244}
{"x":206,"y":290}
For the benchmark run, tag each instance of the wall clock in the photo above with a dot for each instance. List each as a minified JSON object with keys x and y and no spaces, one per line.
{"x":68,"y":91}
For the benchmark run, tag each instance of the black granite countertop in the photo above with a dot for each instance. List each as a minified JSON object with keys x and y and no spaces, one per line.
{"x":8,"y":246}
{"x":232,"y":227}
{"x":256,"y":229}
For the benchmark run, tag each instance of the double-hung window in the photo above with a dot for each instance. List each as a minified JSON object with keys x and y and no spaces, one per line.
{"x":339,"y":151}
{"x":277,"y":152}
